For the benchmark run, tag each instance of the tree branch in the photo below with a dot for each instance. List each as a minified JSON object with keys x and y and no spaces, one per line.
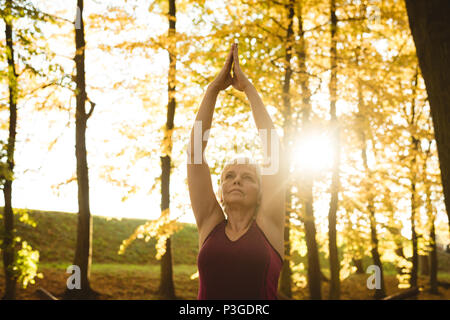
{"x":88,"y":115}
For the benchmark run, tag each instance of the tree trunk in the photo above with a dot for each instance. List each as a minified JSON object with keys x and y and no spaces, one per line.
{"x":83,"y":251}
{"x":286,"y":272}
{"x":413,"y":177}
{"x":285,"y":286}
{"x":8,"y":215}
{"x":306,"y":185}
{"x":379,"y":293}
{"x":415,"y":256}
{"x":433,"y":260}
{"x":424,"y":264}
{"x":429,"y":23}
{"x":332,"y":241}
{"x":358,"y":263}
{"x":166,"y":286}
{"x":314,"y":273}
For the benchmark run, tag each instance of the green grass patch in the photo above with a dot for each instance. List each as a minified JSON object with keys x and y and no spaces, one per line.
{"x":55,"y":238}
{"x":113,"y":268}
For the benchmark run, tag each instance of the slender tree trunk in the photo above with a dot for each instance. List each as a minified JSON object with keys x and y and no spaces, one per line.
{"x":306,"y":185}
{"x":166,"y":286}
{"x":424,"y":264}
{"x":379,"y":293}
{"x":358,"y":263}
{"x":433,"y":260}
{"x":314,"y":273}
{"x":415,"y":256}
{"x":332,"y":241}
{"x":413,"y":178}
{"x":8,"y":215}
{"x":429,"y":24}
{"x":285,"y":286}
{"x":83,"y":251}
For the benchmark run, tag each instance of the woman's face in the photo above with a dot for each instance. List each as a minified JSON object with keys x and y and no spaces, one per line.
{"x":240,"y":185}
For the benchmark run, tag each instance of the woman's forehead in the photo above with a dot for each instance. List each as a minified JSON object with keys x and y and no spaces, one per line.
{"x":242,"y":168}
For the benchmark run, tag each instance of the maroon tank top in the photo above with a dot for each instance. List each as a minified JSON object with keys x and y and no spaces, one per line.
{"x":247,"y":268}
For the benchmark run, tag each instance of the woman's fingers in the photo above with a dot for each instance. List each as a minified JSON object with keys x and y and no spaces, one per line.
{"x":235,"y":54}
{"x":223,"y":79}
{"x":228,"y":63}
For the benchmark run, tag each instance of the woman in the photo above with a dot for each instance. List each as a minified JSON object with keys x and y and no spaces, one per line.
{"x":242,"y":243}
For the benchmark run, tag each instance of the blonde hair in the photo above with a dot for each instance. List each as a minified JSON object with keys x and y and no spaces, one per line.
{"x":246,"y":161}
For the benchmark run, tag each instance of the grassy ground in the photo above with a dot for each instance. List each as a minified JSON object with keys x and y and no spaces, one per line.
{"x":135,"y":275}
{"x":139,"y":282}
{"x":55,"y":238}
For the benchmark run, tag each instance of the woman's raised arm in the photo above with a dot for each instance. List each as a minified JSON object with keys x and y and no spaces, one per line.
{"x":274,"y":170}
{"x":204,"y":203}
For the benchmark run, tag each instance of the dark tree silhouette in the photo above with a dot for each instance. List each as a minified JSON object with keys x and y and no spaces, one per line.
{"x":286,"y":271}
{"x":83,"y":251}
{"x":8,"y":215}
{"x":430,"y":25}
{"x":166,"y":287}
{"x":332,"y":241}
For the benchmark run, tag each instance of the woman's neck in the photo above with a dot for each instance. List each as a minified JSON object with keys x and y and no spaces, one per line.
{"x":239,"y":218}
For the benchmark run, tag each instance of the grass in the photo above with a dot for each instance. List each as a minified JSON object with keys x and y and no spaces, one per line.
{"x":136,"y":274}
{"x":115,"y":268}
{"x":55,"y":238}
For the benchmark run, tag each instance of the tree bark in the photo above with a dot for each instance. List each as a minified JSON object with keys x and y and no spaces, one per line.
{"x":8,"y":215}
{"x":379,"y":293}
{"x":332,"y":241}
{"x":166,"y":286}
{"x":306,"y":185}
{"x":424,"y":264}
{"x":286,"y":272}
{"x":415,"y":255}
{"x":358,"y":263}
{"x":432,"y":255}
{"x":83,"y":251}
{"x":429,"y":23}
{"x":433,"y":261}
{"x":413,"y":177}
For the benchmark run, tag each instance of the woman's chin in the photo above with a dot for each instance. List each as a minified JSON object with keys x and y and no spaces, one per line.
{"x":235,"y":201}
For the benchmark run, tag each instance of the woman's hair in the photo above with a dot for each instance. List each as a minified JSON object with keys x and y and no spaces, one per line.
{"x":245,"y":161}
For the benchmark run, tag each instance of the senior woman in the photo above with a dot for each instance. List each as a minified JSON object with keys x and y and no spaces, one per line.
{"x":241,"y":239}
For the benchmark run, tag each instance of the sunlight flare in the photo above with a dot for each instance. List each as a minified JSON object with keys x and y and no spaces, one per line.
{"x":313,"y":153}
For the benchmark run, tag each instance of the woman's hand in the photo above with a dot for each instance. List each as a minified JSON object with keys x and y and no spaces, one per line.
{"x":239,"y":80}
{"x":224,"y":79}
